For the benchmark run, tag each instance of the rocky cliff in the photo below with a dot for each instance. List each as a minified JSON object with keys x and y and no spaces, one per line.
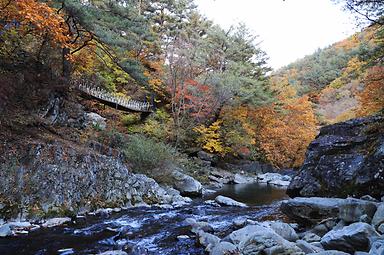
{"x":346,"y":159}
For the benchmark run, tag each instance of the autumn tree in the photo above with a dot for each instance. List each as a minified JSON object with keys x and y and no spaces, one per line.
{"x":372,"y":97}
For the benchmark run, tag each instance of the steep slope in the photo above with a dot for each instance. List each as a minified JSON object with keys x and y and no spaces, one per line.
{"x":335,"y":77}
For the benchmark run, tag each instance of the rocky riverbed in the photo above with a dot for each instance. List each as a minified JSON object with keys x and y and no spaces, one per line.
{"x":150,"y":230}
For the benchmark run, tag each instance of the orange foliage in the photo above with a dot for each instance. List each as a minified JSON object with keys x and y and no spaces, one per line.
{"x":284,"y":134}
{"x":372,"y":97}
{"x":25,"y":15}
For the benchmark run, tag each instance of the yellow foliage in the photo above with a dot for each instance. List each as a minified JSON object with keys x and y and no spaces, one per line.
{"x":210,"y":138}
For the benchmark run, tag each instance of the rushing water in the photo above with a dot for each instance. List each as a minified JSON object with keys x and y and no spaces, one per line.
{"x":147,"y":230}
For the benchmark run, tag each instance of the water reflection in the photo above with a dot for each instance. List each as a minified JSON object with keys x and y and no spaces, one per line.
{"x":251,"y":194}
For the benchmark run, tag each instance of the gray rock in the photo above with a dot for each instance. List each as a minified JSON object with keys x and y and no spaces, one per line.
{"x":240,"y":222}
{"x":378,"y":217}
{"x":274,"y":179}
{"x":5,"y":230}
{"x":55,"y":222}
{"x":307,"y":247}
{"x":255,"y":239}
{"x":380,"y":228}
{"x":206,"y":156}
{"x":198,"y":226}
{"x":330,"y":252}
{"x":308,"y":211}
{"x":95,"y":120}
{"x":320,"y":229}
{"x":182,"y":237}
{"x":116,"y":252}
{"x":240,"y":179}
{"x":187,"y":185}
{"x":369,"y":198}
{"x":208,"y":240}
{"x":285,"y":231}
{"x":355,"y":237}
{"x":224,"y":248}
{"x":311,"y":237}
{"x":365,"y":218}
{"x":377,"y":247}
{"x":352,"y":209}
{"x":70,"y":177}
{"x":222,"y":200}
{"x":344,"y":159}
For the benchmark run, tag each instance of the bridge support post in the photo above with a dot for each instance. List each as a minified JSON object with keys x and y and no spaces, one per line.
{"x":144,"y":115}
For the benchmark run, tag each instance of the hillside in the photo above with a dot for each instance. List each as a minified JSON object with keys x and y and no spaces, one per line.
{"x":344,"y":80}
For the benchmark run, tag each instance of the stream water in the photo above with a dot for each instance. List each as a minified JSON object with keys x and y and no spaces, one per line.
{"x":148,"y":230}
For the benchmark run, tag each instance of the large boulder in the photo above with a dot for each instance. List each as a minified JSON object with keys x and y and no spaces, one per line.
{"x":355,"y":237}
{"x":259,"y":239}
{"x":308,"y":211}
{"x":186,"y":184}
{"x":345,"y":159}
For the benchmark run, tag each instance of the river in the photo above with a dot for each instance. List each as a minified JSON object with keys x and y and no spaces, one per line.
{"x":148,"y":230}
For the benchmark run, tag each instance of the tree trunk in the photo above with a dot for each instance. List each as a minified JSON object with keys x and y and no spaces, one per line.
{"x":66,"y":64}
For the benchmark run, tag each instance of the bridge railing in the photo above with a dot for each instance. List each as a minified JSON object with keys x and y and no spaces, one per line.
{"x":118,"y":100}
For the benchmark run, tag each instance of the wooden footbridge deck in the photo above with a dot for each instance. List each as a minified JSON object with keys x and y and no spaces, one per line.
{"x":117,"y":102}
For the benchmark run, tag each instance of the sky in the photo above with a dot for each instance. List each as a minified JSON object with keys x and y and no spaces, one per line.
{"x":288,"y":30}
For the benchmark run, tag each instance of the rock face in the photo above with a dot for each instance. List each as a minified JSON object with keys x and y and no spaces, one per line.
{"x":355,"y":237}
{"x":56,"y":177}
{"x":345,"y":159}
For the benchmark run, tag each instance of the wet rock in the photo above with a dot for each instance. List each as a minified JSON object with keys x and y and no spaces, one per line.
{"x":377,"y":247}
{"x":365,"y":218}
{"x":274,"y":179}
{"x":116,"y":252}
{"x":257,"y":239}
{"x":345,"y":159}
{"x":311,"y":237}
{"x":224,"y":248}
{"x":369,"y":198}
{"x":55,"y":222}
{"x":381,"y":228}
{"x":355,"y":237}
{"x":307,"y":247}
{"x":186,"y":184}
{"x":240,"y":222}
{"x":378,"y":217}
{"x":182,"y":237}
{"x":198,"y":226}
{"x":352,"y":209}
{"x":222,"y":200}
{"x":308,"y":211}
{"x":240,"y":179}
{"x":5,"y":230}
{"x":320,"y":229}
{"x":208,"y":240}
{"x":211,"y":202}
{"x":94,"y":120}
{"x":330,"y":252}
{"x":285,"y":231}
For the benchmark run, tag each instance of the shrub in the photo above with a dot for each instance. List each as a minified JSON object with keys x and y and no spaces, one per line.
{"x":145,"y":154}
